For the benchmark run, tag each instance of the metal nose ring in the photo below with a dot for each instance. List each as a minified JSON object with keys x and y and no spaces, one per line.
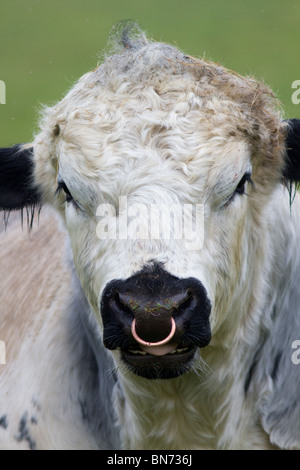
{"x":159,"y":343}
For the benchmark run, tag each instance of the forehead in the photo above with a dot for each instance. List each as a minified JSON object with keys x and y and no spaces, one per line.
{"x":153,"y":105}
{"x":157,"y":77}
{"x":168,"y":123}
{"x":141,"y":152}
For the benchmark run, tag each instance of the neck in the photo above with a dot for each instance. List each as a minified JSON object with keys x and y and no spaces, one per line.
{"x":198,"y":410}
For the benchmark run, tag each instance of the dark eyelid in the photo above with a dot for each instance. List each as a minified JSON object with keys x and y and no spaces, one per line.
{"x":245,"y":178}
{"x":61,"y":186}
{"x":248,"y":177}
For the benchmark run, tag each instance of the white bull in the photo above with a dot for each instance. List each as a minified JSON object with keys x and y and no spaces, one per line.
{"x":118,"y":336}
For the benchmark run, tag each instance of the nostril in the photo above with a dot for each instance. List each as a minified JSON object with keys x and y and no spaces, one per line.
{"x":182,"y":314}
{"x":117,"y":304}
{"x":186,"y":302}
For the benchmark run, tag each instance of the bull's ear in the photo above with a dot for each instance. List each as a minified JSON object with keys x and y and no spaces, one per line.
{"x":292,"y":167}
{"x":17,"y":187}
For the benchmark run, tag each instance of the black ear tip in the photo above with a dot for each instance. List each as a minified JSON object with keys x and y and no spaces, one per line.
{"x":292,"y":143}
{"x":17,"y":188}
{"x":293,"y":128}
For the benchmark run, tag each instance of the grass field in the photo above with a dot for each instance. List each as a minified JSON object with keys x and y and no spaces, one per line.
{"x":47,"y":44}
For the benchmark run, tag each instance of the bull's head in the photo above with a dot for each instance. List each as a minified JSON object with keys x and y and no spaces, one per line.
{"x":152,"y":126}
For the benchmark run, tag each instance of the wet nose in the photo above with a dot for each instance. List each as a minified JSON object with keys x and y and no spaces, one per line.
{"x":154,"y":306}
{"x":152,"y":314}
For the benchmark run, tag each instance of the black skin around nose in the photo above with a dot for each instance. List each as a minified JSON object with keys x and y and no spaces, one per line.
{"x":153,"y":313}
{"x":152,"y":297}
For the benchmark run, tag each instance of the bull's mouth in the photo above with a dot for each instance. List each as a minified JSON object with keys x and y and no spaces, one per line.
{"x":167,"y":366}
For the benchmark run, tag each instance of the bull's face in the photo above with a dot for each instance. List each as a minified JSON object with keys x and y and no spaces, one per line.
{"x":160,"y":293}
{"x":162,"y":186}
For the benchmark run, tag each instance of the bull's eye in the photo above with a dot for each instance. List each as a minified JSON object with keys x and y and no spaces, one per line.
{"x":240,"y":189}
{"x":63,"y":187}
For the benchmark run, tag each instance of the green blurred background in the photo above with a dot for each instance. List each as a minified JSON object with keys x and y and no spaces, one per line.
{"x":47,"y":44}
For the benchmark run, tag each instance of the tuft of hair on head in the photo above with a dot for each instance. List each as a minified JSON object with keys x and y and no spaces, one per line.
{"x":126,"y":34}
